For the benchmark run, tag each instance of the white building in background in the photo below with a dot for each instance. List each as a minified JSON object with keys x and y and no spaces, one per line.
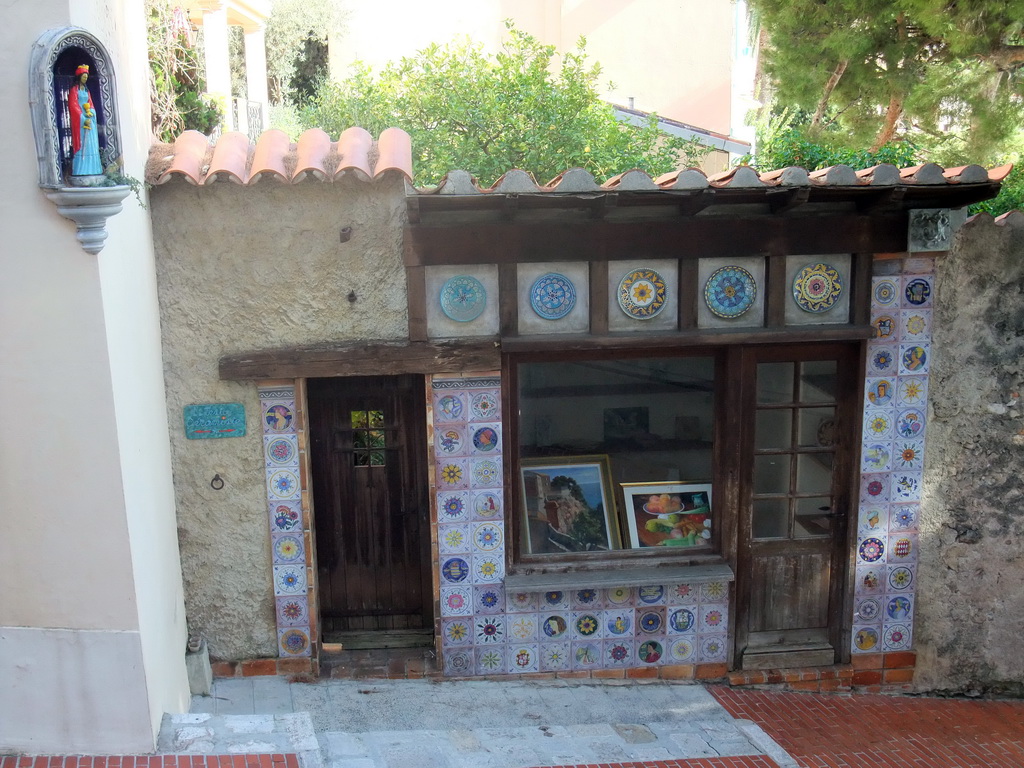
{"x":92,"y":624}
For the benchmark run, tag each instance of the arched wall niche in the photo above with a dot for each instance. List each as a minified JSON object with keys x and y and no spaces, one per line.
{"x":55,"y":56}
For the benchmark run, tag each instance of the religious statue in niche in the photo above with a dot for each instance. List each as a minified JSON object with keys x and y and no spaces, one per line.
{"x":84,"y":127}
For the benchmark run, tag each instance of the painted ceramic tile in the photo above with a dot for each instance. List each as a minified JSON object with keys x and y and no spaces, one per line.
{"x":279,"y":417}
{"x":714,"y":618}
{"x":586,"y":599}
{"x":916,"y":325}
{"x":870,"y":580}
{"x":896,"y":637}
{"x":456,"y":631}
{"x":521,"y":602}
{"x":285,"y":516}
{"x":878,"y":425}
{"x":887,"y":326}
{"x":453,"y":506}
{"x":681,"y":649}
{"x":453,"y":539}
{"x":878,"y":393}
{"x":454,"y":570}
{"x":490,"y":660}
{"x":450,"y":407}
{"x":484,"y":406}
{"x":450,"y":440}
{"x":910,"y":423}
{"x":488,"y":537}
{"x":903,"y":548}
{"x":456,"y":601}
{"x":899,"y":608}
{"x":488,"y":568}
{"x":682,"y":620}
{"x":683,"y":594}
{"x":554,"y":600}
{"x":292,"y":611}
{"x":713,"y":648}
{"x":522,"y":627}
{"x":866,"y":638}
{"x":489,"y":598}
{"x":650,"y":621}
{"x":523,"y":658}
{"x":485,"y":439}
{"x":618,"y":651}
{"x":294,"y":641}
{"x":868,"y":609}
{"x":283,"y":484}
{"x":914,"y":358}
{"x":281,"y":450}
{"x":586,"y":625}
{"x":875,"y":457}
{"x":882,"y":359}
{"x":885,"y":292}
{"x":901,"y":578}
{"x":908,"y":454}
{"x":618,"y":622}
{"x":287,"y":548}
{"x":275,"y":394}
{"x":458,"y":663}
{"x":872,"y":520}
{"x":555,"y":626}
{"x":555,"y":657}
{"x":650,"y":651}
{"x":714,"y":591}
{"x":929,"y":229}
{"x":490,"y":630}
{"x":917,"y":291}
{"x":289,"y":580}
{"x":919,"y":265}
{"x":871,"y":550}
{"x":587,"y":654}
{"x":874,"y":488}
{"x":486,"y":473}
{"x":905,"y":486}
{"x":618,"y":596}
{"x":452,"y":474}
{"x":912,"y":390}
{"x":486,"y":505}
{"x":903,"y":517}
{"x":650,"y":595}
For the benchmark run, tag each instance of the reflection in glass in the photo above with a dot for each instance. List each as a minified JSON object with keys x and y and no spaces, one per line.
{"x":817,"y":427}
{"x":813,"y":517}
{"x":771,"y":518}
{"x":818,"y":381}
{"x":814,"y":473}
{"x":774,"y":428}
{"x":771,"y":474}
{"x":775,"y":383}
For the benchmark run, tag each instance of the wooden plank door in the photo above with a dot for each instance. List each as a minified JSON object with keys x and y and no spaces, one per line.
{"x":370,"y":500}
{"x":798,"y":447}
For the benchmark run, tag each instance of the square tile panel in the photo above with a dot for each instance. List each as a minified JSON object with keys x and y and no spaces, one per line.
{"x":683,"y":594}
{"x":868,"y":609}
{"x":554,"y":600}
{"x":876,"y":456}
{"x":555,"y":657}
{"x":910,"y":423}
{"x":487,"y":505}
{"x":878,"y":425}
{"x":489,"y":598}
{"x":887,"y":325}
{"x":666,"y":272}
{"x":488,"y":568}
{"x":650,"y":651}
{"x":587,"y":599}
{"x":917,"y":291}
{"x":452,"y":474}
{"x":873,"y":520}
{"x":886,"y":293}
{"x":294,"y":641}
{"x":818,"y":289}
{"x":870,"y":579}
{"x":916,"y":325}
{"x":587,"y":654}
{"x":292,"y":611}
{"x":650,"y":595}
{"x":618,"y":651}
{"x":455,"y":569}
{"x":618,"y":621}
{"x":915,"y":358}
{"x":453,"y":539}
{"x":681,"y":649}
{"x":560,"y":291}
{"x":874,"y":488}
{"x":523,"y":657}
{"x":484,"y":405}
{"x":278,"y":417}
{"x":683,"y":619}
{"x":281,"y":450}
{"x":484,"y":439}
{"x":879,"y":392}
{"x":554,"y":626}
{"x":458,"y":662}
{"x":616,"y":596}
{"x":586,"y":625}
{"x":713,"y":648}
{"x":479,"y":285}
{"x":456,"y":601}
{"x":867,"y":638}
{"x":714,"y":591}
{"x":871,"y":550}
{"x":902,"y":547}
{"x":283,"y":484}
{"x":522,"y":627}
{"x":903,"y":517}
{"x":490,"y":630}
{"x":896,"y":636}
{"x":488,"y":537}
{"x":650,"y":620}
{"x":285,"y":515}
{"x":485,"y":473}
{"x":714,"y":618}
{"x":522,"y":602}
{"x":490,"y":659}
{"x":450,"y":407}
{"x":882,"y":359}
{"x":288,"y":548}
{"x":289,"y":580}
{"x":457,"y":631}
{"x":912,"y":391}
{"x":905,"y":486}
{"x":730,"y":292}
{"x":899,"y":608}
{"x":908,"y":454}
{"x":453,"y":506}
{"x":450,"y":440}
{"x":901,"y":577}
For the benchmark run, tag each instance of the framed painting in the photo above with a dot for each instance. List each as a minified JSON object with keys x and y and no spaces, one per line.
{"x":667,"y":514}
{"x":568,"y":505}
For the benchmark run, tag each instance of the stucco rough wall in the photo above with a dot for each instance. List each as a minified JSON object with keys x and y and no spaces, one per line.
{"x":970,"y":601}
{"x":241,"y":269}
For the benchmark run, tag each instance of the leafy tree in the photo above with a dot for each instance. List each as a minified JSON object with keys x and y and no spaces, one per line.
{"x":948,"y":72}
{"x":487,"y":114}
{"x":291,"y":24}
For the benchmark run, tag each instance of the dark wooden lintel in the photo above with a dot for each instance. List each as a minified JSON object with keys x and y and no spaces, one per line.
{"x":696,"y":202}
{"x":511,"y":207}
{"x":370,"y":358}
{"x":783,"y":200}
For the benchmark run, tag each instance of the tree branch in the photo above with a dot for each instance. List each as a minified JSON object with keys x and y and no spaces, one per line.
{"x":830,"y":86}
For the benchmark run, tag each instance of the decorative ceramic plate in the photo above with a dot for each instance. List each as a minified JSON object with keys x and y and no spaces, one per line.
{"x":681,"y":620}
{"x":552,"y":296}
{"x":885,"y":292}
{"x":485,"y":439}
{"x":817,"y":287}
{"x":871,"y":550}
{"x":642,"y":294}
{"x":651,"y":622}
{"x":463,"y":298}
{"x":730,"y":291}
{"x":917,"y":292}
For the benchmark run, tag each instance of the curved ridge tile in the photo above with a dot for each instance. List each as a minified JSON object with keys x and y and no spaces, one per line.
{"x":631,"y":181}
{"x":929,"y":173}
{"x":189,"y":152}
{"x":313,"y":147}
{"x":394,"y":153}
{"x":688,"y":178}
{"x":966,"y":174}
{"x":268,"y":159}
{"x":881,"y":175}
{"x":736,"y":178}
{"x":230,"y":157}
{"x":354,"y":147}
{"x":1000,"y":173}
{"x":515,"y":182}
{"x":794,"y":176}
{"x":835,"y":176}
{"x":458,"y":183}
{"x":1013,"y":219}
{"x":573,"y":180}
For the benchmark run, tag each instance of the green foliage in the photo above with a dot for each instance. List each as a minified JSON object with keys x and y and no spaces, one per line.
{"x":488,"y":114}
{"x":1011,"y":195}
{"x":291,"y":23}
{"x":176,"y":81}
{"x":311,"y":68}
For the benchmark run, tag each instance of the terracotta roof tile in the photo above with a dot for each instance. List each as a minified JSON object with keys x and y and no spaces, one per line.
{"x":395,"y":153}
{"x":230,"y":159}
{"x":631,"y":181}
{"x":691,"y":178}
{"x":515,"y":182}
{"x":189,"y":152}
{"x":310,"y":153}
{"x":1000,"y":173}
{"x":354,"y":153}
{"x":835,"y":176}
{"x":269,"y":157}
{"x":929,"y":173}
{"x":883,"y":175}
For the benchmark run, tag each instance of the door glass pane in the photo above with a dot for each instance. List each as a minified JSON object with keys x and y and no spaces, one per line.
{"x":771,"y":518}
{"x":376,"y":419}
{"x":376,"y":458}
{"x":813,"y":473}
{"x":376,"y":439}
{"x":359,"y":439}
{"x":775,"y":383}
{"x":817,"y":427}
{"x":771,"y":474}
{"x":818,"y":381}
{"x":358,"y":419}
{"x":813,"y":517}
{"x":774,"y":429}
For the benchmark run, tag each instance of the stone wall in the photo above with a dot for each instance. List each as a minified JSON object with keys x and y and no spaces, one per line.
{"x":970,"y":599}
{"x":242,"y":269}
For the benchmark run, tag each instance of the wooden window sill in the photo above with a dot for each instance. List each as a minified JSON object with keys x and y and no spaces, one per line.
{"x":620,"y":577}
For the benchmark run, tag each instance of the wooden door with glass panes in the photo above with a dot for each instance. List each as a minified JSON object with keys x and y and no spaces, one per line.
{"x":799,"y":453}
{"x":370,"y":502}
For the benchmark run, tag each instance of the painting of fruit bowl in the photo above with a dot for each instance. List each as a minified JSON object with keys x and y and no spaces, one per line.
{"x":668,"y":514}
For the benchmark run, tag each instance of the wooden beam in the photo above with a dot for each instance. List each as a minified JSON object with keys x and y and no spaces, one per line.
{"x":369,"y":358}
{"x":538,"y":241}
{"x":783,"y":200}
{"x":416,"y":299}
{"x":508,"y":297}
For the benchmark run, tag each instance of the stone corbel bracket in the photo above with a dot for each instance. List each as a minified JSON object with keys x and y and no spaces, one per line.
{"x":88,"y":207}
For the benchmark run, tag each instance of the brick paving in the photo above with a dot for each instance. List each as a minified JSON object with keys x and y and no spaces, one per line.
{"x":842,"y":731}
